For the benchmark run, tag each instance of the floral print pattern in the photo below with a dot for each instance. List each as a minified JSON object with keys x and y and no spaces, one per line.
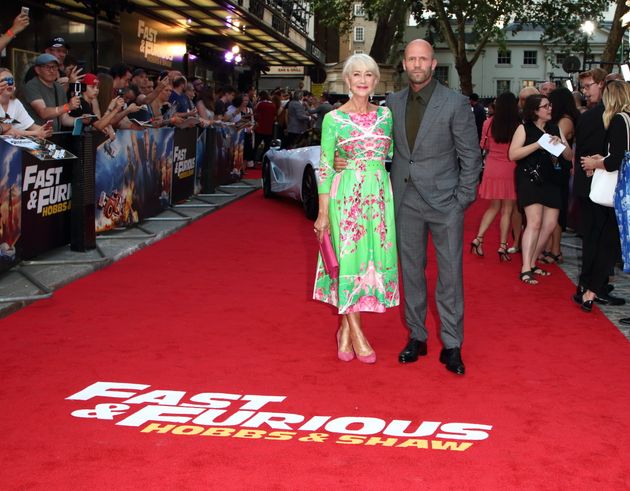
{"x":361,"y":213}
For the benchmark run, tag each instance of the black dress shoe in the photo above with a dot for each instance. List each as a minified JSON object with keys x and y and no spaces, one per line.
{"x":608,"y":299}
{"x":412,"y":351}
{"x":452,"y":358}
{"x":625,"y":321}
{"x":609,"y":288}
{"x":585,"y":305}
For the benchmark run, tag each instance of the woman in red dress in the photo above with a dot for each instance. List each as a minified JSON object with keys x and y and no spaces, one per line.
{"x":497,"y":184}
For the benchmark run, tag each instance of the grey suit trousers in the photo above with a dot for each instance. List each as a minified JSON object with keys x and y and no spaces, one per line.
{"x":414,"y":222}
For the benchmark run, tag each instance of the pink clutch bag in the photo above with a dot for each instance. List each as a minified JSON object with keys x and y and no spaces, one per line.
{"x":329,"y":258}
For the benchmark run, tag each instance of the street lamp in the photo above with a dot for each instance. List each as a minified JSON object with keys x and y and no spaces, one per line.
{"x":588,"y":27}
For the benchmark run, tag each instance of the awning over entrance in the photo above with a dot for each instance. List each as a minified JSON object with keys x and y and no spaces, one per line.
{"x":275,"y":30}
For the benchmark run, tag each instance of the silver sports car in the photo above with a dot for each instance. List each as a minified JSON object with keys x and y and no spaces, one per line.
{"x":293,"y":173}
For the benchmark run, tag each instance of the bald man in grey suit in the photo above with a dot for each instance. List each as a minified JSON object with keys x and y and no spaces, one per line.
{"x":434,"y":173}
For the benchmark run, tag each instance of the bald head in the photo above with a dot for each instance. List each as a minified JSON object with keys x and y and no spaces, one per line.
{"x":422,"y":44}
{"x":547,"y":88}
{"x":613,"y":76}
{"x":419,"y":63}
{"x":525,"y":93}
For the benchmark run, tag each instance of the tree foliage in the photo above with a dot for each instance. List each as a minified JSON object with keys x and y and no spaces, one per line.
{"x":390,"y":17}
{"x":468,"y":25}
{"x":465,"y":25}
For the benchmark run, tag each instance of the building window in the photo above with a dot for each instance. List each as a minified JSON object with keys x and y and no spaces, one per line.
{"x":530,"y":57}
{"x":528,"y":83}
{"x":441,"y":74}
{"x":358,"y":51}
{"x":503,"y":86}
{"x":504,"y":57}
{"x":560,"y":59}
{"x":359,"y":34}
{"x":358,"y":10}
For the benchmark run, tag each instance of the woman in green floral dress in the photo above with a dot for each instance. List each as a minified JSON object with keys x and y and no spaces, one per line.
{"x":357,"y":209}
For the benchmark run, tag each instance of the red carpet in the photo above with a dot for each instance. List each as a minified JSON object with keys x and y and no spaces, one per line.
{"x":223,"y":307}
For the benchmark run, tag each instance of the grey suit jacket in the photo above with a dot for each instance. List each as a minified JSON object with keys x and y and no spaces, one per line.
{"x":445,"y":162}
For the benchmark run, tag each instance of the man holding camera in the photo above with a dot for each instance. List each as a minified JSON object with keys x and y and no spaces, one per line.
{"x":45,"y":99}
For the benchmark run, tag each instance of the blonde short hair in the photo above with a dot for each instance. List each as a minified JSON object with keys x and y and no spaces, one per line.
{"x":360,"y":60}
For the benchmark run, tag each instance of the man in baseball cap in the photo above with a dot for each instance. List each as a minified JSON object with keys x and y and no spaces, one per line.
{"x":45,"y":98}
{"x":58,"y":47}
{"x":90,"y":79}
{"x":45,"y":59}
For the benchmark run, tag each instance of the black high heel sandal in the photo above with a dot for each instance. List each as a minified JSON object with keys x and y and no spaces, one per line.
{"x":475,"y":246}
{"x":503,"y":254}
{"x":550,"y":258}
{"x":585,"y":305}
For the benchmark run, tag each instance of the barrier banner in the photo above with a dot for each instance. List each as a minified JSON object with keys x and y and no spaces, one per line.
{"x":224,"y":146}
{"x":10,"y":203}
{"x":133,"y":177}
{"x":46,"y":202}
{"x":184,"y":164}
{"x":200,"y":160}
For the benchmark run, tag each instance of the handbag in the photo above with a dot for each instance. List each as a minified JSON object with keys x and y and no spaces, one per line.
{"x":329,"y":258}
{"x":604,"y":183}
{"x":603,"y":187}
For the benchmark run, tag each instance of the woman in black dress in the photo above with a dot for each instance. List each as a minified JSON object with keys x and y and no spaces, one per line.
{"x":616,"y":99}
{"x":537,"y":185}
{"x":565,"y":114}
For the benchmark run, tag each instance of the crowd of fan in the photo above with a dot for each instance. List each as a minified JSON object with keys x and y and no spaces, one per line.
{"x":57,"y":94}
{"x":590,"y":124}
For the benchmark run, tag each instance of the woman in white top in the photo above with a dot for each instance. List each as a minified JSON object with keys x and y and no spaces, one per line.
{"x":13,"y":113}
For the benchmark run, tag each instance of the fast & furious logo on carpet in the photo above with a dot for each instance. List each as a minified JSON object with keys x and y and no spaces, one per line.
{"x":254,"y":417}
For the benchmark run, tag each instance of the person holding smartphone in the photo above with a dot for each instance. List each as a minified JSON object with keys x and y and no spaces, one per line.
{"x":13,"y":116}
{"x":44,"y":98}
{"x":20,"y":23}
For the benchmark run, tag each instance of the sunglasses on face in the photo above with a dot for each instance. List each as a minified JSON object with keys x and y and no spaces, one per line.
{"x":9,"y":80}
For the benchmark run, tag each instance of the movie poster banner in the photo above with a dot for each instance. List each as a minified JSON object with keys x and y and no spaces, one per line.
{"x":151,"y":44}
{"x":133,"y":177}
{"x":225,"y":144}
{"x":201,"y":166}
{"x":184,"y":164}
{"x":10,"y":203}
{"x":46,"y":203}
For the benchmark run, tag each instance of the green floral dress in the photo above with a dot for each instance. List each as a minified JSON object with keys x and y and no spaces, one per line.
{"x":361,"y":213}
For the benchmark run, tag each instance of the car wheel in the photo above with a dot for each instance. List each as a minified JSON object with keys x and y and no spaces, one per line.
{"x":266,"y":178}
{"x":310,"y":197}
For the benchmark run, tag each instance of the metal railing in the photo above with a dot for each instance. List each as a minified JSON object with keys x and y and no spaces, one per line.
{"x":286,"y":13}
